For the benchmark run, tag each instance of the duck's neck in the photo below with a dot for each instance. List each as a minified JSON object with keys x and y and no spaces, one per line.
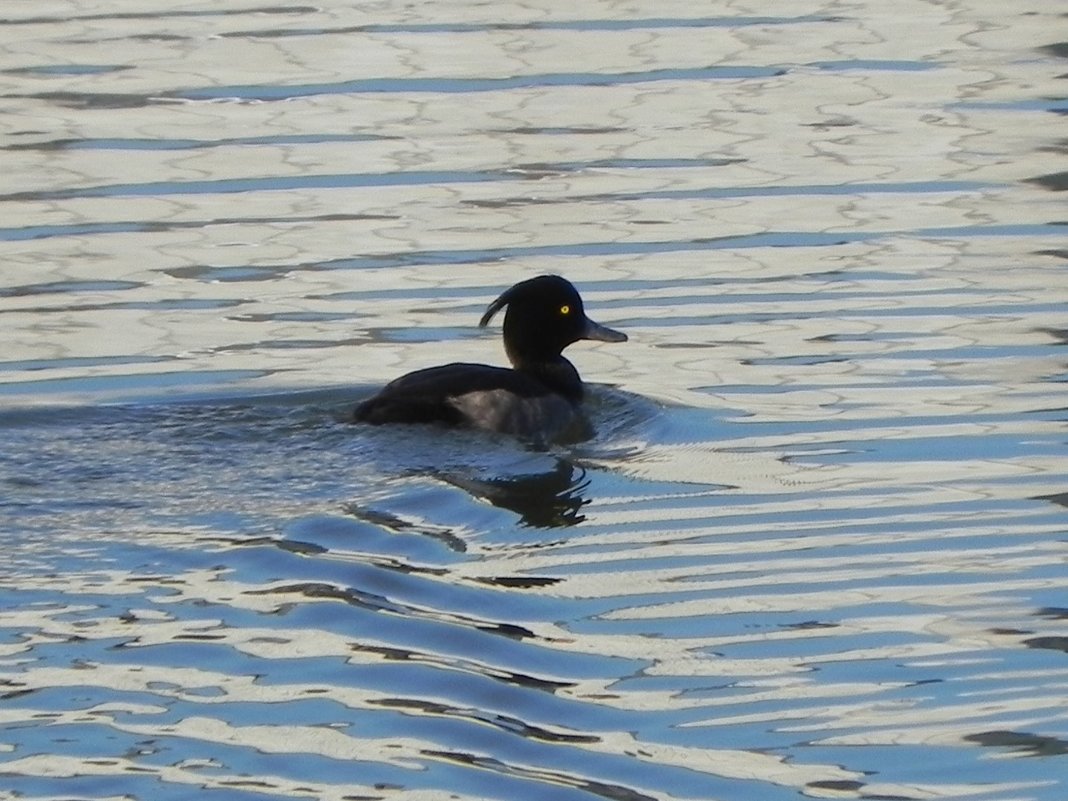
{"x":557,"y":374}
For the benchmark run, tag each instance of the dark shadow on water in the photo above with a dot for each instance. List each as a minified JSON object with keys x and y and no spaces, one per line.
{"x":1060,"y":498}
{"x":503,"y":722}
{"x":552,"y":499}
{"x":1053,"y":613}
{"x":848,"y":788}
{"x":393,"y":523}
{"x":1055,"y":182}
{"x":1052,"y":643}
{"x":1021,"y":742}
{"x":611,"y":791}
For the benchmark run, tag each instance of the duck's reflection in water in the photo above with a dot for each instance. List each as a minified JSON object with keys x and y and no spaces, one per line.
{"x":550,"y":499}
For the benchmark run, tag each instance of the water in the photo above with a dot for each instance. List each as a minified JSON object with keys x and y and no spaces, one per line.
{"x":817,"y":546}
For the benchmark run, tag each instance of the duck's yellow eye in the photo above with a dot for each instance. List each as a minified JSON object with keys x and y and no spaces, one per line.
{"x":565,"y":309}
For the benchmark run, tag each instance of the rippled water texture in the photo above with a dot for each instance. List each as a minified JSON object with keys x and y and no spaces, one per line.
{"x":817,"y":547}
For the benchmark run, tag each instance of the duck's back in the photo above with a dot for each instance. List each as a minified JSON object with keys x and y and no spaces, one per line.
{"x":492,"y":398}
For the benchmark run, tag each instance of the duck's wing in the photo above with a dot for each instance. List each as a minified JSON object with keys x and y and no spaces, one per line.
{"x":437,"y":394}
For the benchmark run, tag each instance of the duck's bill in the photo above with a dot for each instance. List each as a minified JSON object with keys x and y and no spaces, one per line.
{"x":602,"y":333}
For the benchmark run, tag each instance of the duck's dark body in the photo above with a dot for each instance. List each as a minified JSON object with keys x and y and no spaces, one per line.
{"x":493,"y":398}
{"x":539,"y":398}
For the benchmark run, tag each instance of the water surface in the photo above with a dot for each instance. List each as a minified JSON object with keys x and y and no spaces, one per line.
{"x":817,"y":546}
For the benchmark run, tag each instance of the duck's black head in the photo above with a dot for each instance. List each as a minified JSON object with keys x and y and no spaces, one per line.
{"x":545,"y":315}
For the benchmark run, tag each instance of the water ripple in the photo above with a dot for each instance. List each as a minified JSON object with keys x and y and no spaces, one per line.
{"x":815,"y":546}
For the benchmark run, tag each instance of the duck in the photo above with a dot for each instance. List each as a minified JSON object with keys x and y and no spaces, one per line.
{"x":539,"y":398}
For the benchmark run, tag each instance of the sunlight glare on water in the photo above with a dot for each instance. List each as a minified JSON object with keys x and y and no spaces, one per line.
{"x":816,"y":547}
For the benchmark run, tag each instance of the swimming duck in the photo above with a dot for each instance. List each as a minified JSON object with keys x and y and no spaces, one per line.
{"x":538,"y":399}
